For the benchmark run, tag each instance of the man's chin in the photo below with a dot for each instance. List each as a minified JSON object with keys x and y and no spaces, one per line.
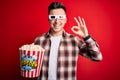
{"x":57,"y":30}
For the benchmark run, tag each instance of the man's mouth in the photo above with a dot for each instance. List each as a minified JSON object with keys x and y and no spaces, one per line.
{"x":56,"y":26}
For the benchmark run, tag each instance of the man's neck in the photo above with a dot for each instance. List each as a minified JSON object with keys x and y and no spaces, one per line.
{"x":55,"y":34}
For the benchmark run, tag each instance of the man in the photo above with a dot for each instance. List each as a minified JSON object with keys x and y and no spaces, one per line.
{"x":61,"y":48}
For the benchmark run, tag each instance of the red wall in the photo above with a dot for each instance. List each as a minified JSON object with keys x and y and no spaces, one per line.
{"x":21,"y":21}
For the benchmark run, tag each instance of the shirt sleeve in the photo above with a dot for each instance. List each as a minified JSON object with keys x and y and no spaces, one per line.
{"x":37,"y":41}
{"x":90,"y":49}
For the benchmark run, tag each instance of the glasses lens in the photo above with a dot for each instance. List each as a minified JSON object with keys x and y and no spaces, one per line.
{"x":61,"y":16}
{"x":52,"y":17}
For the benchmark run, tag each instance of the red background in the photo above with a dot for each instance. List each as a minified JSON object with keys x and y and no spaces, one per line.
{"x":21,"y":21}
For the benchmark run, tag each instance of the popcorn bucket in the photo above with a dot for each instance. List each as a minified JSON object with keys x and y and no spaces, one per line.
{"x":31,"y":62}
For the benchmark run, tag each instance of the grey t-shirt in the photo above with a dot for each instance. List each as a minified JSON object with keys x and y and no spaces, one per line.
{"x":55,"y":41}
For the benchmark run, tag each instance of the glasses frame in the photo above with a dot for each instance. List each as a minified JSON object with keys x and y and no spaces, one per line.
{"x":61,"y":17}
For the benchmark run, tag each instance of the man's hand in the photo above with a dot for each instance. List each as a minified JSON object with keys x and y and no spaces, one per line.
{"x":81,"y":28}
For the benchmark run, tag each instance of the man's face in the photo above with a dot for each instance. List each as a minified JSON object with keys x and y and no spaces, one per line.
{"x":57,"y":19}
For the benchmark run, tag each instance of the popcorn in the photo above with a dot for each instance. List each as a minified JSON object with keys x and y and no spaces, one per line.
{"x":32,"y":47}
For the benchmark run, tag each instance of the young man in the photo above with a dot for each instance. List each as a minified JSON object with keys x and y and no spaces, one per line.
{"x":61,"y":48}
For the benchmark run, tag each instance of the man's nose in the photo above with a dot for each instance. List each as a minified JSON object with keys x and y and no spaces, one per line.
{"x":56,"y":20}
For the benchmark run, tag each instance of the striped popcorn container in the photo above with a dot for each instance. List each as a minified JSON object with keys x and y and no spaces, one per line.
{"x":31,"y":62}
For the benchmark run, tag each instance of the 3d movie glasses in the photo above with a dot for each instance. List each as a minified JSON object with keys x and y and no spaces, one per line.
{"x":53,"y":17}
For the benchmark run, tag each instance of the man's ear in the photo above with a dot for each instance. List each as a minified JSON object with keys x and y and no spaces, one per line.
{"x":66,"y":20}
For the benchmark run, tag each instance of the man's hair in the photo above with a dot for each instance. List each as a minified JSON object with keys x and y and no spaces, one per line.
{"x":56,"y":5}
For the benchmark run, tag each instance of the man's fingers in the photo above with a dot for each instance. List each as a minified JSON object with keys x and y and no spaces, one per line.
{"x":75,"y":29}
{"x":77,"y":21}
{"x":83,"y":21}
{"x":79,"y":18}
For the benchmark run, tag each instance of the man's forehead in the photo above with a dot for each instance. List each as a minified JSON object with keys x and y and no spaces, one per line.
{"x":58,"y":11}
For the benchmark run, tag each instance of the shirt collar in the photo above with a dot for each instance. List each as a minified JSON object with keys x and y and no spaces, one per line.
{"x":64,"y":34}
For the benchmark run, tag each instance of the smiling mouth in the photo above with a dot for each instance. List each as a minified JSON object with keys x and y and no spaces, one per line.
{"x":56,"y":26}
